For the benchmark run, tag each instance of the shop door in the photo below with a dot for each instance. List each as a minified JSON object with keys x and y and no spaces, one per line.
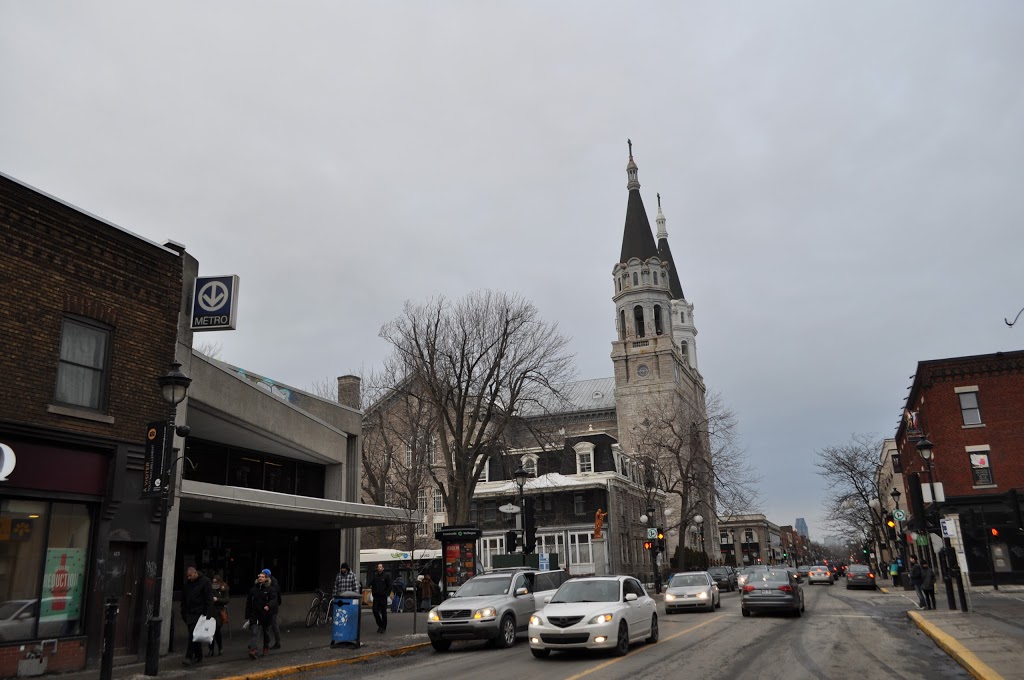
{"x":128,"y":560}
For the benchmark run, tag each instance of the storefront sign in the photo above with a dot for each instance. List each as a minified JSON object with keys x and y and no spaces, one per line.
{"x":215,"y":303}
{"x":154,"y":469}
{"x":7,"y":462}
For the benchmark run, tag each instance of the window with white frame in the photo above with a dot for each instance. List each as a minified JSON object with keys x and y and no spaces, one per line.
{"x":438,"y":526}
{"x":551,"y":543}
{"x":485,"y":472}
{"x":408,"y":455}
{"x":749,"y":537}
{"x":981,"y":465}
{"x":579,"y":548}
{"x":438,"y":501}
{"x":430,"y":450}
{"x":83,"y":367}
{"x":969,"y":409}
{"x":530,"y":464}
{"x":421,"y":500}
{"x":421,"y":528}
{"x":579,"y":504}
{"x":723,"y":537}
{"x":584,"y":457}
{"x":493,"y":545}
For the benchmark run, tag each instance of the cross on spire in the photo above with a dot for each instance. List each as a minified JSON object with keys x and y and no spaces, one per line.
{"x":630,"y":142}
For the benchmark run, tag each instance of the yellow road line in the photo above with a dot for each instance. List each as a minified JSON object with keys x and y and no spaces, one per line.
{"x":642,"y":649}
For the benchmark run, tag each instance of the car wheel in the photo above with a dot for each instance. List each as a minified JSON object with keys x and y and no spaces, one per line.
{"x":507,"y":633}
{"x":541,"y":653}
{"x":441,"y":645}
{"x":803,"y":608}
{"x":797,"y":611}
{"x":745,"y":612}
{"x":622,"y":644}
{"x":718,"y":602}
{"x":655,"y":634}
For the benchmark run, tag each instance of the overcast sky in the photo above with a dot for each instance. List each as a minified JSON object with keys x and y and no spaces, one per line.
{"x":842,"y":180}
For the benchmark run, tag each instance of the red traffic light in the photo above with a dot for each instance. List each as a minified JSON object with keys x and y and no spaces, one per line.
{"x":648,"y":545}
{"x":995,"y":532}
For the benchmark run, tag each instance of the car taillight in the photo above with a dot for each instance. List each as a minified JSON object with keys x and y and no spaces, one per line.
{"x":871,"y":575}
{"x":786,"y":589}
{"x":748,"y":589}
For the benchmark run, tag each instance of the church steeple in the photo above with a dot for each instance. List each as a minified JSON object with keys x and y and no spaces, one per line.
{"x":665,"y":253}
{"x":637,"y":240}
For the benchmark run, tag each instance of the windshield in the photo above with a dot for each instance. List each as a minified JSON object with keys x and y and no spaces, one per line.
{"x":587,"y":591}
{"x":754,"y":570}
{"x":770,"y":576}
{"x":491,"y":585}
{"x":718,"y":570}
{"x":681,"y":580}
{"x":859,"y":568}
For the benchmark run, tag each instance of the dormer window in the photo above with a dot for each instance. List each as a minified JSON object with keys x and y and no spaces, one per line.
{"x":530,"y":464}
{"x":584,"y":457}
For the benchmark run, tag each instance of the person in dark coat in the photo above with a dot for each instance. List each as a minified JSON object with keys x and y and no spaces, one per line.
{"x":928,"y":585}
{"x":274,"y":627}
{"x":260,"y":609}
{"x":916,"y":579}
{"x":380,"y":587}
{"x":221,"y":597}
{"x":196,"y":601}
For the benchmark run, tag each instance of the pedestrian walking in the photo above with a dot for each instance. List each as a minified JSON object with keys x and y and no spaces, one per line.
{"x":916,"y":578}
{"x":928,"y":585}
{"x":397,"y":595}
{"x":221,"y":596}
{"x":196,"y":601}
{"x":427,"y":588}
{"x":274,"y":627}
{"x":260,"y":608}
{"x":380,"y":586}
{"x":345,"y":581}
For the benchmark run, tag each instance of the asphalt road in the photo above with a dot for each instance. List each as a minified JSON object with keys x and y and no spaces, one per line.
{"x":843,"y":635}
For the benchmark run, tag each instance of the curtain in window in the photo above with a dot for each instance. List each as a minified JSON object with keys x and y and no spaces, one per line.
{"x":83,"y":351}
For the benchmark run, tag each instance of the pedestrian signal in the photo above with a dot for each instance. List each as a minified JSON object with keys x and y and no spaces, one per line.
{"x":648,"y":545}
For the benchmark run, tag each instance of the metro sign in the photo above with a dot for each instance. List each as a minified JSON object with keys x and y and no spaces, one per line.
{"x":215,"y":303}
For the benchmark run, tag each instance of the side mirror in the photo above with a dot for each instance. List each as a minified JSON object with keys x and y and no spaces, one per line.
{"x":547,"y":599}
{"x":522,"y":591}
{"x":630,"y":597}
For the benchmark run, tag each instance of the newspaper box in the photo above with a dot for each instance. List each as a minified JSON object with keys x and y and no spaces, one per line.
{"x":345,"y":612}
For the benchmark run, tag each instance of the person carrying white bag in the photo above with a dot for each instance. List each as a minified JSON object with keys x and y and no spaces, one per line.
{"x":196,"y":604}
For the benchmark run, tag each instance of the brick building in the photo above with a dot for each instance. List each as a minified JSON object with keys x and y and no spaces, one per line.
{"x":89,"y":315}
{"x":972,"y":410}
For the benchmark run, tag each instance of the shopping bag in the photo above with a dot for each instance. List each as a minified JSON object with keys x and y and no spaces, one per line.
{"x":204,"y":630}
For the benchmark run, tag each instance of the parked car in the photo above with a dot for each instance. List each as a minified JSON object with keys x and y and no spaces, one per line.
{"x":18,"y":619}
{"x":773,"y":590}
{"x":597,"y":612}
{"x":745,"y":572}
{"x":819,"y":574}
{"x":692,"y":590}
{"x":491,"y":607}
{"x":860,"y":576}
{"x":725,"y":577}
{"x":803,"y":569}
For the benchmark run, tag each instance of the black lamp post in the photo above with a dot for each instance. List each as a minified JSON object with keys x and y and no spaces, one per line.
{"x":927,"y":451}
{"x":521,"y":475}
{"x":173,"y":386}
{"x":732,"y":543}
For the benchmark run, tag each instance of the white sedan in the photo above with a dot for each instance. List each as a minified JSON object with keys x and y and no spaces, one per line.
{"x":599,"y":612}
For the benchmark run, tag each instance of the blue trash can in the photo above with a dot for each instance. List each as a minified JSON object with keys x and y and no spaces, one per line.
{"x":345,"y":612}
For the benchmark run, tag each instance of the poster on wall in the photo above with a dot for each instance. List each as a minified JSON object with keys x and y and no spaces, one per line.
{"x":63,"y":581}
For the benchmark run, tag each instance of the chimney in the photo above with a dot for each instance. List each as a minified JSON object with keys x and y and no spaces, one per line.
{"x":348,"y":391}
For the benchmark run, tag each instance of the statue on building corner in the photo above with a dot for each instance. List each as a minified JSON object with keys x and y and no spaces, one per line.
{"x":599,"y":522}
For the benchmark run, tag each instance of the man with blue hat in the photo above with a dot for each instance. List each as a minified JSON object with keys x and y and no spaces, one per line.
{"x":274,"y":627}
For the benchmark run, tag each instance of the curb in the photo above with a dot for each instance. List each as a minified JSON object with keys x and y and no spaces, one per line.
{"x":977,"y":668}
{"x":317,"y":665}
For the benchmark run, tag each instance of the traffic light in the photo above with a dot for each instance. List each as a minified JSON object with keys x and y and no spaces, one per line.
{"x":661,"y":541}
{"x":511,"y":537}
{"x":785,"y":555}
{"x":530,"y":522}
{"x":995,"y":532}
{"x":648,"y":545}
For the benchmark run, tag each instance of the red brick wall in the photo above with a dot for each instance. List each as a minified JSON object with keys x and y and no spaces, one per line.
{"x":1000,"y":382}
{"x":69,"y":655}
{"x":57,"y":260}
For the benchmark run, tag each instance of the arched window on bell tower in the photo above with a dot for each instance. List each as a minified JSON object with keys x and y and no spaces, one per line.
{"x":638,"y":320}
{"x":636,"y":281}
{"x":622,"y":324}
{"x":657,"y":320}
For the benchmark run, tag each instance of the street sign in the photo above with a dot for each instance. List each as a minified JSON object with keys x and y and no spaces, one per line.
{"x":215,"y":303}
{"x":154,"y":464}
{"x":652,"y":532}
{"x":509,"y":509}
{"x":922,"y":539}
{"x":948,"y":528}
{"x":899,"y":515}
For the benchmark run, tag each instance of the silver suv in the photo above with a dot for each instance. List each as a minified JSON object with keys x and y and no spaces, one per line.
{"x":491,"y":607}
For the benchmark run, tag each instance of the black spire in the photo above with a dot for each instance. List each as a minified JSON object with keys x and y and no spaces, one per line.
{"x":665,"y":253}
{"x":637,"y":240}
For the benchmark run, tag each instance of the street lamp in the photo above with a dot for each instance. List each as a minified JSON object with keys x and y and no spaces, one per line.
{"x":699,"y":519}
{"x":927,"y":451}
{"x":173,"y":386}
{"x":732,"y":542}
{"x":521,"y":475}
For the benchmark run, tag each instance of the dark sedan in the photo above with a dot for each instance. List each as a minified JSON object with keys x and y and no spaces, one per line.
{"x":725,"y":577}
{"x":774,"y":590}
{"x":860,"y":576}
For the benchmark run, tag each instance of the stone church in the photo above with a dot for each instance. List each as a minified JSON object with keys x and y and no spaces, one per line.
{"x":602,"y":456}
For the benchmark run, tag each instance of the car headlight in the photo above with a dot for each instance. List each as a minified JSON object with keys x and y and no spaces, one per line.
{"x":669,"y":597}
{"x":601,"y":618}
{"x":432,"y":615}
{"x":536,"y":621}
{"x":485,"y":613}
{"x":702,"y":595}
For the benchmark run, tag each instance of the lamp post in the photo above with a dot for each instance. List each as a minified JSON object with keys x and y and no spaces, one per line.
{"x":173,"y":386}
{"x":699,"y":519}
{"x":927,"y":451}
{"x":521,"y":475}
{"x":732,"y":543}
{"x":901,"y":539}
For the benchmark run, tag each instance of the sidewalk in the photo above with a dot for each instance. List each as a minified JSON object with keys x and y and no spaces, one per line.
{"x":987,"y":641}
{"x":302,"y":649}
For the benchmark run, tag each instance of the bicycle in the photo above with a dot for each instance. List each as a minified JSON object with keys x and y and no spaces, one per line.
{"x":319,"y":610}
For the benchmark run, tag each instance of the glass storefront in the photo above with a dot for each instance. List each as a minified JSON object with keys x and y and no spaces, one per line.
{"x":44,"y":549}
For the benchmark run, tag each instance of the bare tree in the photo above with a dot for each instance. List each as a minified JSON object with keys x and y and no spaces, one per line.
{"x":690,"y":449}
{"x":209,"y":348}
{"x":851,"y":474}
{"x":474,"y":363}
